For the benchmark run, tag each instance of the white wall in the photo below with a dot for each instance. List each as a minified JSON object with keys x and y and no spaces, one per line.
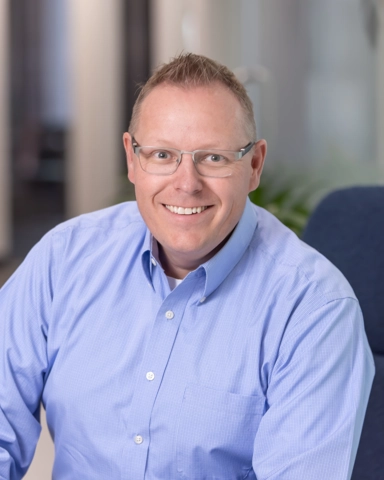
{"x":96,"y":88}
{"x":5,"y":174}
{"x":341,"y":90}
{"x":207,"y":27}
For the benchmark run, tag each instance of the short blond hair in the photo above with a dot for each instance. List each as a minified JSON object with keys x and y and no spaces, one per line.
{"x":189,"y":70}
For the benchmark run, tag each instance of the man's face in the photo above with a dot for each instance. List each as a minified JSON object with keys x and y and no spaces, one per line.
{"x":191,"y":119}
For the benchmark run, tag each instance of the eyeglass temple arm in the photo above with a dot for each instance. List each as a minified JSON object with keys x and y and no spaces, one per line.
{"x":246,"y":149}
{"x":134,"y":143}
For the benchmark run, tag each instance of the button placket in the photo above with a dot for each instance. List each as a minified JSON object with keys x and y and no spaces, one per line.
{"x":170,"y":308}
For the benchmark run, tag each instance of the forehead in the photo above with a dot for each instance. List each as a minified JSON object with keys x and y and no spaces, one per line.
{"x":205,"y":113}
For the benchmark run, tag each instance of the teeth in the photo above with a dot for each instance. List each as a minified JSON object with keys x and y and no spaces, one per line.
{"x":185,"y":211}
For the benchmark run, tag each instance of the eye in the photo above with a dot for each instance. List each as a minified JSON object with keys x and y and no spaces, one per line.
{"x":214,"y":158}
{"x":161,"y":155}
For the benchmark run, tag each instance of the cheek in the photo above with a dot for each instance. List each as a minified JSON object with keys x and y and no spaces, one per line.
{"x":238,"y":196}
{"x":249,"y":181}
{"x":144,"y":204}
{"x":147,"y":187}
{"x":238,"y":189}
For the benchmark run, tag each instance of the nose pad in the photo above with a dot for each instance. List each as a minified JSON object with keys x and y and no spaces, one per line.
{"x":187,"y":177}
{"x":182,"y":155}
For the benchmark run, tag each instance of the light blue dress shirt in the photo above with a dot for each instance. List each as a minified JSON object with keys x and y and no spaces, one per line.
{"x":255,"y":367}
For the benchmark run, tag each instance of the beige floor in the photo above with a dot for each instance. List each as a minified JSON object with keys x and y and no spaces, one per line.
{"x":41,"y":467}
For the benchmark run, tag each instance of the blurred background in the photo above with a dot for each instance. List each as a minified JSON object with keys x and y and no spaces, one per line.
{"x":69,"y":71}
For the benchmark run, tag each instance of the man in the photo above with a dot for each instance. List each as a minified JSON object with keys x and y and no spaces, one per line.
{"x":190,"y":335}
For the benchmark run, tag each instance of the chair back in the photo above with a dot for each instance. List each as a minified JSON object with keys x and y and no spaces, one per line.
{"x":347,"y":227}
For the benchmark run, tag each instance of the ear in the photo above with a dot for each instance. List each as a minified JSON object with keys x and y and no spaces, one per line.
{"x":257,"y":163}
{"x":127,"y":140}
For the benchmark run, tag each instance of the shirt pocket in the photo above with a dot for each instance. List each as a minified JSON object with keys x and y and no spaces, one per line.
{"x":216,"y":433}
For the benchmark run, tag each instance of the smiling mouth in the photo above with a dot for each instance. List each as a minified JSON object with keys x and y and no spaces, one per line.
{"x":185,"y":211}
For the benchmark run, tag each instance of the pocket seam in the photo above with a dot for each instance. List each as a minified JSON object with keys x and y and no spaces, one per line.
{"x":223,"y":400}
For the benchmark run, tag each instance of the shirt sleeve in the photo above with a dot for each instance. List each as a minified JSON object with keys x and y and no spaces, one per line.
{"x":317,"y":395}
{"x":25,"y":302}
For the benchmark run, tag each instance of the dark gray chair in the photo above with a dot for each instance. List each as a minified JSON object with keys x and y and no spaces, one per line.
{"x":348,"y":228}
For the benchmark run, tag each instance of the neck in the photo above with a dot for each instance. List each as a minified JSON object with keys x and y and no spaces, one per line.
{"x":175,"y":267}
{"x":178,"y":265}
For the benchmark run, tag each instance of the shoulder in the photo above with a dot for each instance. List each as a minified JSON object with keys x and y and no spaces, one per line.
{"x":100,"y":232}
{"x":275,"y":245}
{"x":304,"y":295}
{"x":101,"y":224}
{"x":113,"y":218}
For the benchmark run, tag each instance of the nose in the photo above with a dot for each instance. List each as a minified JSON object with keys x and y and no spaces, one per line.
{"x":186,"y":177}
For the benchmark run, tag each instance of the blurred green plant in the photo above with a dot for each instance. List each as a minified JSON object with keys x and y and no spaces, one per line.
{"x":289,"y":196}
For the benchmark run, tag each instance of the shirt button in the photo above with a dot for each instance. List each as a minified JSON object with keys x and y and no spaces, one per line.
{"x":138,"y":439}
{"x":154,"y":263}
{"x":169,"y":314}
{"x":202,"y":300}
{"x":150,"y":376}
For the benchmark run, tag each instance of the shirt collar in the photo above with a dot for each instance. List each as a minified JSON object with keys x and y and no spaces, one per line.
{"x":218,"y":267}
{"x":147,"y":255}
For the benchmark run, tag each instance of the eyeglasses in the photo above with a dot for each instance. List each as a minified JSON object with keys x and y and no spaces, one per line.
{"x":209,"y":163}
